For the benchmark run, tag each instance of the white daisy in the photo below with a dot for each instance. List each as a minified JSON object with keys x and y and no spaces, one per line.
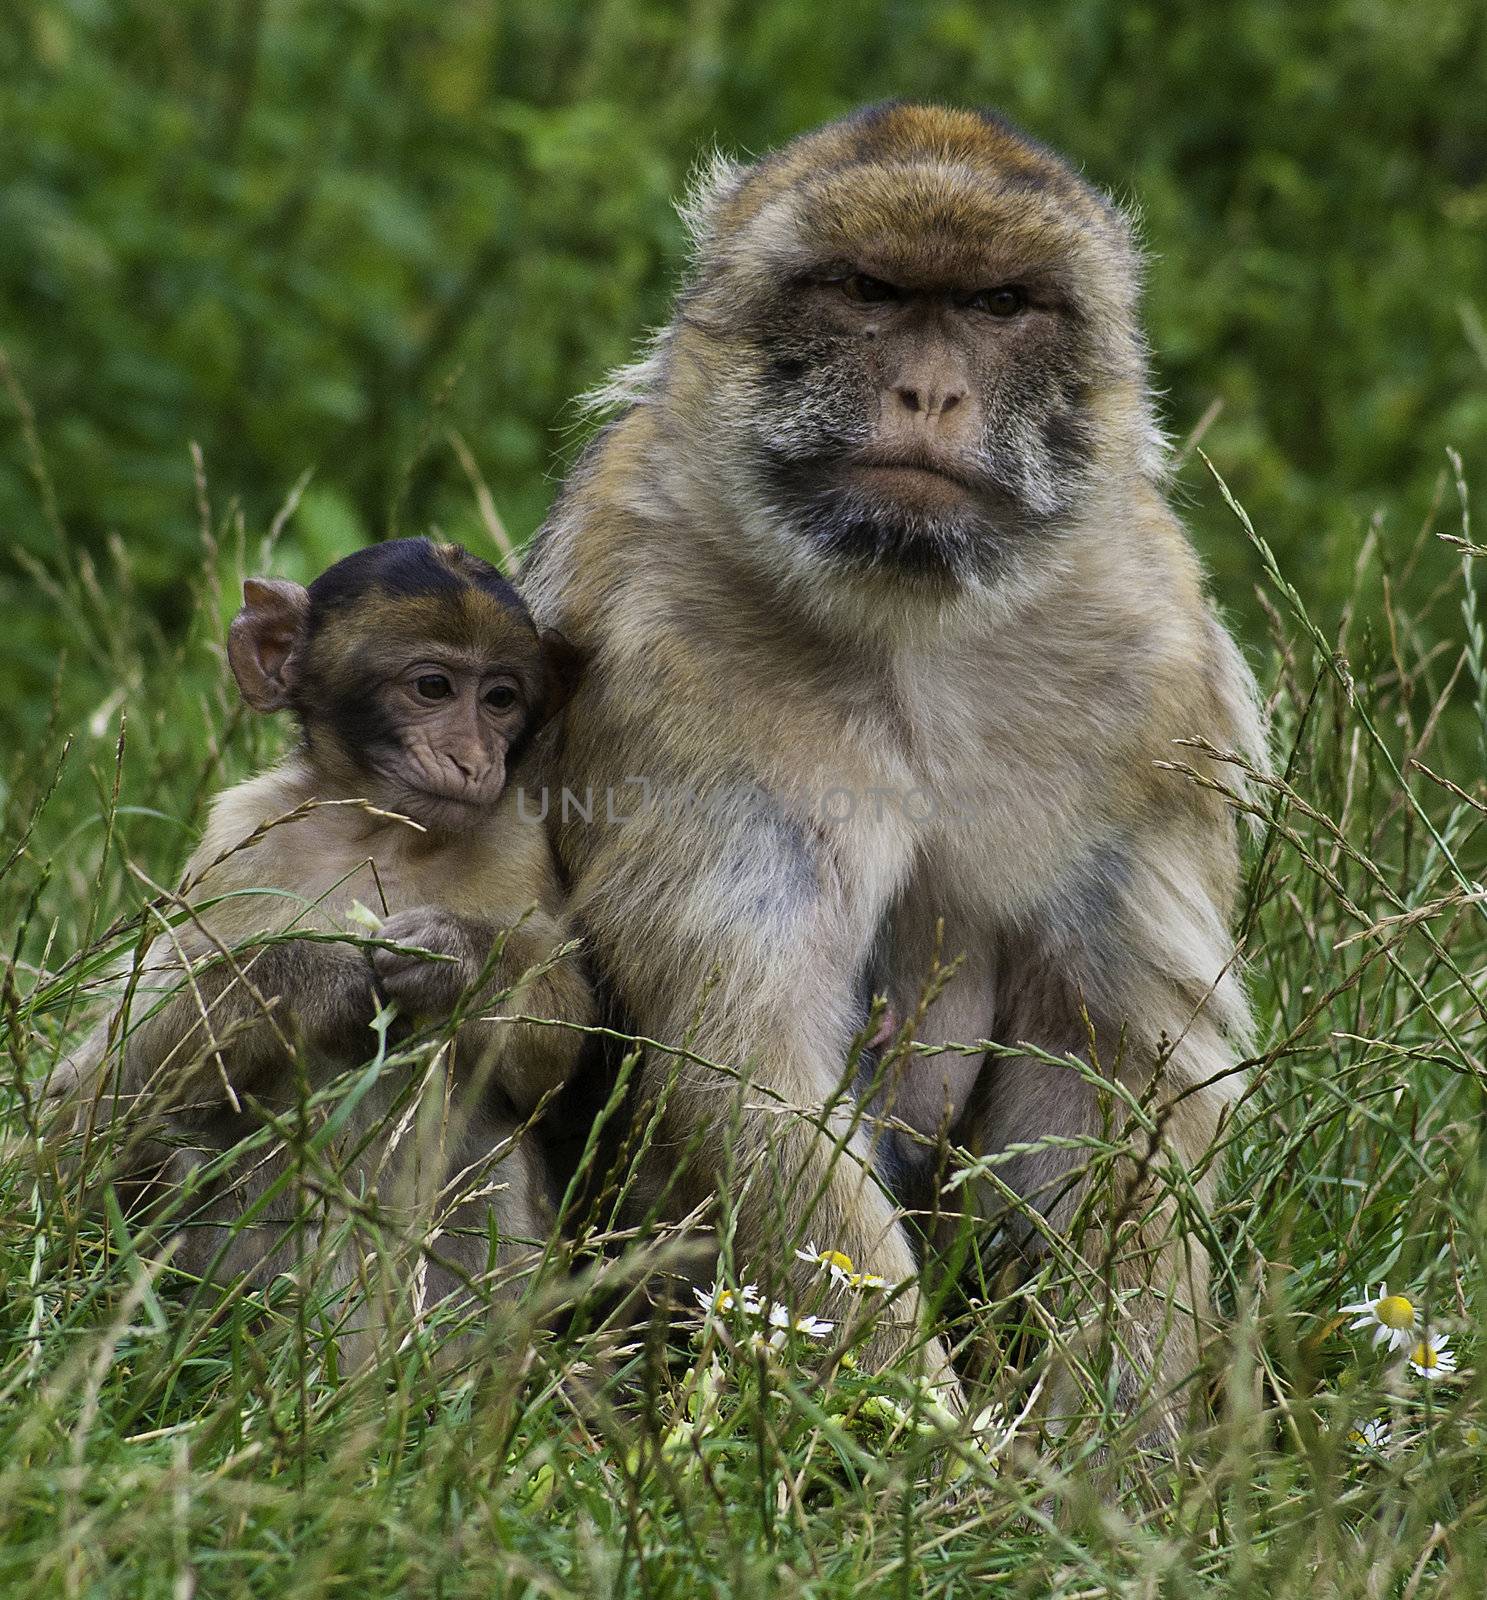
{"x":784,"y":1325}
{"x":1372,"y":1435}
{"x":1392,"y":1317}
{"x":838,"y":1261}
{"x":1432,"y":1358}
{"x":842,"y":1268}
{"x":719,"y":1298}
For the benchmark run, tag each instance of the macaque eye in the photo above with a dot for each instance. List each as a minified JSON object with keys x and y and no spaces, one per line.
{"x":1004,"y":301}
{"x":501,"y":698}
{"x":433,"y":686}
{"x":859,"y":286}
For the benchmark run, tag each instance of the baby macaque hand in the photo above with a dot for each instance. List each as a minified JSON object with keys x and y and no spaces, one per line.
{"x":421,"y":986}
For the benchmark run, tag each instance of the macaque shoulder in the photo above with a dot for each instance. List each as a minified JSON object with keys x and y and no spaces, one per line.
{"x":261,"y":835}
{"x":602,"y":563}
{"x":1127,"y":638}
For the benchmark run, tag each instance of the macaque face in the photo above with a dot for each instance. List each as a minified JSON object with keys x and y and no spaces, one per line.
{"x":438,"y":718}
{"x":931,"y":420}
{"x":415,"y":670}
{"x":921,"y":378}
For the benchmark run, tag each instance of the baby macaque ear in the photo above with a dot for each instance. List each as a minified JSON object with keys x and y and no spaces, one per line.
{"x":261,"y":640}
{"x":564,"y":663}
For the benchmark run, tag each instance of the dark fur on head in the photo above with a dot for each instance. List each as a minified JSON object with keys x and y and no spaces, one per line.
{"x":406,"y":569}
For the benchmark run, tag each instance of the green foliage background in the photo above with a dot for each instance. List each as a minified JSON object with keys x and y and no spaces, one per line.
{"x":338,"y":235}
{"x":321,"y":235}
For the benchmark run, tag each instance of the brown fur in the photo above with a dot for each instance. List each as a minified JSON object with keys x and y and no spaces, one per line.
{"x":1036,"y":664}
{"x":219,"y":1026}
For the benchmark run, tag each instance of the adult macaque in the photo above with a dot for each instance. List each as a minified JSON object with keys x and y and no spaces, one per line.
{"x":877,"y":555}
{"x":418,"y":679}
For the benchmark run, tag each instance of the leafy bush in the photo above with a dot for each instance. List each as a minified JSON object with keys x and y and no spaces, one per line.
{"x":326,"y":236}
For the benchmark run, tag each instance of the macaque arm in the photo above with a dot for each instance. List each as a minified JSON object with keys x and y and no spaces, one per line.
{"x":765,"y":1113}
{"x":158,"y":1088}
{"x":204,"y":1028}
{"x":529,"y":978}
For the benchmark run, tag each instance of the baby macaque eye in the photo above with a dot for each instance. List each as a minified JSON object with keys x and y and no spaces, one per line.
{"x":501,"y":698}
{"x":434,"y":686}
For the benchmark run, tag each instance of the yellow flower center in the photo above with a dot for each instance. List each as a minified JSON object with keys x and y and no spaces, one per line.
{"x":1394,"y":1311}
{"x":836,"y":1258}
{"x":723,"y":1299}
{"x":1425,"y":1355}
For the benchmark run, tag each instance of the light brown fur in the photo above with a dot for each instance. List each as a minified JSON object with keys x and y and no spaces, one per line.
{"x":1042,"y":683}
{"x":263,"y":992}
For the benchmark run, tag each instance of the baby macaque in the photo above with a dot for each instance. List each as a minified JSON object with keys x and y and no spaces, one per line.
{"x":385,"y":862}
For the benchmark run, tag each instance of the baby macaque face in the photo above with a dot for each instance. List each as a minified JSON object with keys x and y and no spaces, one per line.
{"x":415,"y":670}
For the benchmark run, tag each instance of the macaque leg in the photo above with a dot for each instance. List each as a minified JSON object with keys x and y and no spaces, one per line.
{"x":1135,"y":1269}
{"x":438,"y":1174}
{"x":496,"y":1175}
{"x":940,"y":985}
{"x":163,"y":1109}
{"x":745,"y":955}
{"x":232,"y":1227}
{"x":796,"y":1182}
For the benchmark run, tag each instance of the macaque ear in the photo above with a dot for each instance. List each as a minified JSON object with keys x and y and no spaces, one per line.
{"x":261,"y":640}
{"x":564,"y":663}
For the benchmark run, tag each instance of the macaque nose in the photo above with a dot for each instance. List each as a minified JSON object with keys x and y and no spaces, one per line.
{"x":930,"y":400}
{"x":473,"y":762}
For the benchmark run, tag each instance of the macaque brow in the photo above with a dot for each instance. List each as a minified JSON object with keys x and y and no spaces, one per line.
{"x":1044,"y":283}
{"x":460,"y":657}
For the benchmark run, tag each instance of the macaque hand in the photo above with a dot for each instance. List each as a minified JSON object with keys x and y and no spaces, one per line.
{"x":421,"y":986}
{"x":886,"y":1031}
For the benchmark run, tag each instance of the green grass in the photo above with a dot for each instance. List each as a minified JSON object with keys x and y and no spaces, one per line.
{"x":155,"y":1443}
